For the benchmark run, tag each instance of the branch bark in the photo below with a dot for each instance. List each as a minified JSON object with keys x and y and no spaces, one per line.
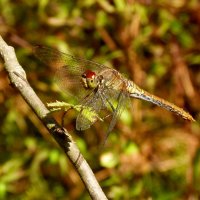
{"x":17,"y":77}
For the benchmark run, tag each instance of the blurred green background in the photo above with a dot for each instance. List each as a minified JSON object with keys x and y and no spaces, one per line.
{"x":151,"y":153}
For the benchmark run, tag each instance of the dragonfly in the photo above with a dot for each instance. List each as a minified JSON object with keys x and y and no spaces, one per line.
{"x":98,"y":87}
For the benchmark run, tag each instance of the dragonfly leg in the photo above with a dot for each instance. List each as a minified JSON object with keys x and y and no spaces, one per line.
{"x":104,"y":97}
{"x":63,"y":117}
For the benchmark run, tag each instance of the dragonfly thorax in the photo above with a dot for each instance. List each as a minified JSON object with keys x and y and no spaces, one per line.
{"x":89,"y":79}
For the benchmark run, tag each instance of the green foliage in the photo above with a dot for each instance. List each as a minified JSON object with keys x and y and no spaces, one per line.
{"x":151,"y":154}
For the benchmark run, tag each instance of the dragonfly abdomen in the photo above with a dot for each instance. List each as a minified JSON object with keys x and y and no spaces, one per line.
{"x":139,"y":93}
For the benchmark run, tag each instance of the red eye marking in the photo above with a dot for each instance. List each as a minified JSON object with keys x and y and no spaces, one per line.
{"x":89,"y":74}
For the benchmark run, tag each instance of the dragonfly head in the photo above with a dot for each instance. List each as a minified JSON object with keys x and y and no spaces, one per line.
{"x":89,"y":79}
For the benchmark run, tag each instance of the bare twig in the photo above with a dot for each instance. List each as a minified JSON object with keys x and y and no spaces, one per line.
{"x":17,"y":77}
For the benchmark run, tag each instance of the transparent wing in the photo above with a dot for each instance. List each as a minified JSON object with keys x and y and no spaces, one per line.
{"x":122,"y":101}
{"x":69,"y":69}
{"x":94,"y":103}
{"x":68,"y":77}
{"x":70,"y":82}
